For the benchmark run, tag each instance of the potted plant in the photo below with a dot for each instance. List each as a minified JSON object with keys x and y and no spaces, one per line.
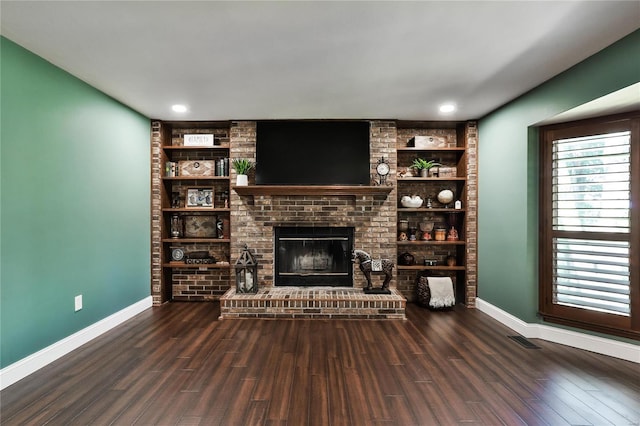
{"x":423,"y":166}
{"x":242,"y":167}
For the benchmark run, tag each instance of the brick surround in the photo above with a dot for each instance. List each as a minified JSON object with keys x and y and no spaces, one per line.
{"x":254,"y":217}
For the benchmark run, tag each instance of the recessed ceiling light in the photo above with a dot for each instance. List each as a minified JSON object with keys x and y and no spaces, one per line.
{"x":446,"y":108}
{"x":179,"y":108}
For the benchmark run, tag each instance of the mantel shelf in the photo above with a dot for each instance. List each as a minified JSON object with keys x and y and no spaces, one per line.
{"x":312,"y":190}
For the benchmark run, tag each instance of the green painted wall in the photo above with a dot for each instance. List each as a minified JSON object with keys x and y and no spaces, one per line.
{"x":508,"y":173}
{"x":74,"y":200}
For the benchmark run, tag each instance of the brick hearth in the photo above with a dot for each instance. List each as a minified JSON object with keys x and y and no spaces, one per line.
{"x":312,"y":303}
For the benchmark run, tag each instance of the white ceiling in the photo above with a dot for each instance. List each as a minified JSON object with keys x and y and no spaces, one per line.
{"x":327,"y":59}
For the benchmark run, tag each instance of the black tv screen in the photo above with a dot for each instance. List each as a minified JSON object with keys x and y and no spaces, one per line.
{"x":312,"y":153}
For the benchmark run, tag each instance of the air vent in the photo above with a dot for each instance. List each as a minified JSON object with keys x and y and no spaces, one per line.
{"x":523,"y":341}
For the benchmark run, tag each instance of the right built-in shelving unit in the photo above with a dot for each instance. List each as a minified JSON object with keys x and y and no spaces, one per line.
{"x":432,"y":237}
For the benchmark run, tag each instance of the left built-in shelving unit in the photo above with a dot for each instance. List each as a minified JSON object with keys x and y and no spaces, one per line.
{"x":190,"y":210}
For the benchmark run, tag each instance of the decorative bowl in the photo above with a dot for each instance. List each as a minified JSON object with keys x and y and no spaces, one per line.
{"x":411,"y":202}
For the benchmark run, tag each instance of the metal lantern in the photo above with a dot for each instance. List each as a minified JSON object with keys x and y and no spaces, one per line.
{"x":246,"y":272}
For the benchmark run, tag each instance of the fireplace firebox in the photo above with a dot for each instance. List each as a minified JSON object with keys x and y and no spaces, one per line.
{"x":313,"y":256}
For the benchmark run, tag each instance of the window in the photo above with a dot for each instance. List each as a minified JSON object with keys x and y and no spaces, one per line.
{"x":590,"y":224}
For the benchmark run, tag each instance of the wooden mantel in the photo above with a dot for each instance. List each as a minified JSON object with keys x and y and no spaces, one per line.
{"x":352,"y":190}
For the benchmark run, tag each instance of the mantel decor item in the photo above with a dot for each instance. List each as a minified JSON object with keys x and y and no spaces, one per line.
{"x":382,"y":168}
{"x":242,"y":167}
{"x":246,"y":272}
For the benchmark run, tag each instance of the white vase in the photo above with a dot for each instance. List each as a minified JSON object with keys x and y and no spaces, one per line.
{"x":242,"y":180}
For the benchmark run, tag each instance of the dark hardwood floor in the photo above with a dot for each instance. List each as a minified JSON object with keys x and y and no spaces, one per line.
{"x":178,"y":365}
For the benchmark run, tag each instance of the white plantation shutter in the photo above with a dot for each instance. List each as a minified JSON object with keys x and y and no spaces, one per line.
{"x":591,"y":196}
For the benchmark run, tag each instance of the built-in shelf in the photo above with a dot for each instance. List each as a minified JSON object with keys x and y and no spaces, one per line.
{"x":196,"y":178}
{"x":312,"y":190}
{"x":411,"y":148}
{"x":429,"y":209}
{"x":422,"y":179}
{"x":189,"y":148}
{"x":202,"y":266}
{"x":431,"y":268}
{"x":196,"y":240}
{"x":197,"y":209}
{"x":429,"y":243}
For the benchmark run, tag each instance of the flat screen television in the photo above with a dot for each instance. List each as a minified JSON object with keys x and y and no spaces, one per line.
{"x":292,"y":152}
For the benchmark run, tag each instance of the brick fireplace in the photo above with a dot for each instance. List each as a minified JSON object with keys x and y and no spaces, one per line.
{"x":254,"y":217}
{"x":256,"y":213}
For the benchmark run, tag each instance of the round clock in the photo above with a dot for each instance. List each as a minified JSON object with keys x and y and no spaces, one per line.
{"x":383,"y":170}
{"x":177,"y":253}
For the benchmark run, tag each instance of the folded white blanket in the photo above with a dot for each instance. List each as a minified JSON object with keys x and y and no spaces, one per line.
{"x":441,"y":289}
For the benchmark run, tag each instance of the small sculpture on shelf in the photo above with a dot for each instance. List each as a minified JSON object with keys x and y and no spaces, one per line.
{"x":452,"y":235}
{"x":412,"y":233}
{"x":368,"y":265}
{"x":425,"y":230}
{"x":176,"y":226}
{"x":175,"y":200}
{"x":403,"y":228}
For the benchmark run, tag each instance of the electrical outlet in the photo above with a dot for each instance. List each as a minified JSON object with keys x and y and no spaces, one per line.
{"x":78,"y":302}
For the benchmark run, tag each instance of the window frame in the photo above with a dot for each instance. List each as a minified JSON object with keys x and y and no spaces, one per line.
{"x":572,"y":316}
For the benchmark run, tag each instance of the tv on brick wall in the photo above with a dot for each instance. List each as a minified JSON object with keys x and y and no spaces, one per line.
{"x":292,"y":152}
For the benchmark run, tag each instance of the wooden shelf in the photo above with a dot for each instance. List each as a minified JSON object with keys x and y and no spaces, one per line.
{"x":430,"y":243}
{"x":423,"y":179}
{"x":194,"y":148}
{"x":312,"y":190}
{"x":425,"y":209}
{"x":195,"y":178}
{"x":183,"y":265}
{"x":449,"y":149}
{"x":196,"y":240}
{"x":197,"y":209}
{"x":430,"y":268}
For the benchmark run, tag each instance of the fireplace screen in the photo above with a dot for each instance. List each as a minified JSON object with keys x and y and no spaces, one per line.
{"x":318,"y":256}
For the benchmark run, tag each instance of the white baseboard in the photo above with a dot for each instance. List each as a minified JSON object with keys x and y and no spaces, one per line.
{"x":601,"y":345}
{"x":32,"y":363}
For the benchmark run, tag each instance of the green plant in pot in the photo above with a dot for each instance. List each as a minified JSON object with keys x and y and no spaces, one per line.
{"x":242,"y":167}
{"x":423,"y":166}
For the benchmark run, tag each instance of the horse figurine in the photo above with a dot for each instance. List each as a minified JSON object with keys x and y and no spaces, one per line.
{"x":384,"y":265}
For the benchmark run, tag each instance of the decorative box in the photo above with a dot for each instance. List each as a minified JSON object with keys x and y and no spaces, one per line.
{"x":427,"y":142}
{"x":197,"y":168}
{"x":447,"y":171}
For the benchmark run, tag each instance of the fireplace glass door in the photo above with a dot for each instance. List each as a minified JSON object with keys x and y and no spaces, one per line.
{"x":313,"y":256}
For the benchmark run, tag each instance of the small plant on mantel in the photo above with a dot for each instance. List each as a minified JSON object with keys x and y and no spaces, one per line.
{"x":242,"y":167}
{"x":423,"y":166}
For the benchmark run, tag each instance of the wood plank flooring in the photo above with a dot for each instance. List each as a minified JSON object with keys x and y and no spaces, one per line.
{"x":178,"y":365}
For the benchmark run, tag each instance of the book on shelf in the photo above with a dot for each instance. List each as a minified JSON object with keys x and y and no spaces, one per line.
{"x":171,"y":169}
